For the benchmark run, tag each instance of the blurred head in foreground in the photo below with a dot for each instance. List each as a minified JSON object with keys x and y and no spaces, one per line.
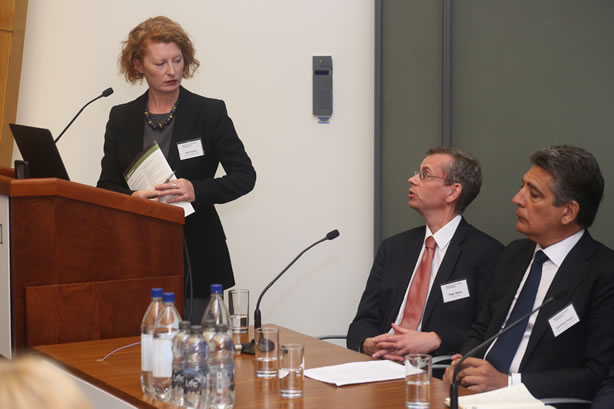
{"x":32,"y":382}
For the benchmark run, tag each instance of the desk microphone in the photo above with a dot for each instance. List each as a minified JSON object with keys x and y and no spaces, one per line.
{"x":105,"y":93}
{"x":249,"y":348}
{"x":454,"y":385}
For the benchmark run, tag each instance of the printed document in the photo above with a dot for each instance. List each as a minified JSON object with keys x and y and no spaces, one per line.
{"x":151,"y":168}
{"x":357,"y":372}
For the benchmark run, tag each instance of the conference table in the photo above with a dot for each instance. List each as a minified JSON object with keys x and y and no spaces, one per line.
{"x":119,"y":375}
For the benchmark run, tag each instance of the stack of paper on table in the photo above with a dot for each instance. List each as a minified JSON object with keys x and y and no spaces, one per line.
{"x":512,"y":397}
{"x":357,"y":372}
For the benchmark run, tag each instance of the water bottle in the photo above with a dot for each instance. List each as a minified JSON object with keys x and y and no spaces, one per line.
{"x":195,"y":369}
{"x":216,"y":309}
{"x":165,"y":328}
{"x":208,"y":330}
{"x":221,"y":377}
{"x":147,"y":326}
{"x":178,"y":348}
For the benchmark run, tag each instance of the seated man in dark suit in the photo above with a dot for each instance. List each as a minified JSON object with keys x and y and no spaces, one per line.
{"x":427,"y":284}
{"x":567,"y":348}
{"x":605,"y":395}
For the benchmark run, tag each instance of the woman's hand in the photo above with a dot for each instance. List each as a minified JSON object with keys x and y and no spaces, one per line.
{"x":147,"y":194}
{"x":181,"y":190}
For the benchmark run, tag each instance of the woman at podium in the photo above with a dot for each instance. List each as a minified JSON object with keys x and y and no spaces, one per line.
{"x":195,"y":135}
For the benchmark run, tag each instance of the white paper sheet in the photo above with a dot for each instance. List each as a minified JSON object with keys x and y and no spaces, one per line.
{"x":357,"y":372}
{"x":512,"y":397}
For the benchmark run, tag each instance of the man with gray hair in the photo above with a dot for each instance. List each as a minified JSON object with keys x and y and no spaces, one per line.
{"x":427,"y":284}
{"x":567,"y":348}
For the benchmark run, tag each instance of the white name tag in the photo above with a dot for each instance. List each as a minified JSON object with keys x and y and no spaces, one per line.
{"x":190,"y":149}
{"x":563,"y":320}
{"x":456,"y":290}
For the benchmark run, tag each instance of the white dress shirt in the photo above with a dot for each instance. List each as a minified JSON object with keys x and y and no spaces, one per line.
{"x":442,"y":238}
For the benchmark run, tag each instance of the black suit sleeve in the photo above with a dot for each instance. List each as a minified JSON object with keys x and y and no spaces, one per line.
{"x":368,"y":320}
{"x":111,"y":177}
{"x":605,"y":396}
{"x":587,"y":363}
{"x":240,"y":176}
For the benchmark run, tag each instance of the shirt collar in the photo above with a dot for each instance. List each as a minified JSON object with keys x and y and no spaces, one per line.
{"x":444,"y":235}
{"x":558,"y":251}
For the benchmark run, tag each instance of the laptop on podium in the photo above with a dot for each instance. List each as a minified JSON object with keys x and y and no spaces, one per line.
{"x":38,"y":149}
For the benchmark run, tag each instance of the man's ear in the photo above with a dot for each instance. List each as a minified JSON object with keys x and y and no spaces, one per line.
{"x":454,"y":192}
{"x":570,"y":212}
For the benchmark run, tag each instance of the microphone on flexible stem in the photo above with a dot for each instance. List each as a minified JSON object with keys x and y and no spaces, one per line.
{"x":105,"y":93}
{"x":250,"y":348}
{"x":454,"y":385}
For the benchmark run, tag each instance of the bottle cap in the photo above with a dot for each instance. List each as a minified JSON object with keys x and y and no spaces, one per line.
{"x":185,"y":325}
{"x":221,"y":327}
{"x":208,"y":323}
{"x":168,"y":297}
{"x":196,"y":329}
{"x":216,"y":289}
{"x":156,"y":293}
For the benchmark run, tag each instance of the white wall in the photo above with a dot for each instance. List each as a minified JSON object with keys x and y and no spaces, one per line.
{"x":255,"y":55}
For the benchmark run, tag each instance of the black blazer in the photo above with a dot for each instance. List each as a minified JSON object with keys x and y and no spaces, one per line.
{"x":471,"y":255}
{"x":574,"y":363}
{"x":196,"y":118}
{"x":605,"y":396}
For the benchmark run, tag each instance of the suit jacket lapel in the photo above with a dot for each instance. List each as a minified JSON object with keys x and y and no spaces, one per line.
{"x":135,"y":125}
{"x":446,"y":268}
{"x":567,"y":278}
{"x":186,"y":116}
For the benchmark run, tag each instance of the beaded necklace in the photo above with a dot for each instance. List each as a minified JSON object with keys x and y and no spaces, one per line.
{"x":160,"y":125}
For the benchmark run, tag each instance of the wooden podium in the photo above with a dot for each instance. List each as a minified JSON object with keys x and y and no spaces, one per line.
{"x":83,"y":260}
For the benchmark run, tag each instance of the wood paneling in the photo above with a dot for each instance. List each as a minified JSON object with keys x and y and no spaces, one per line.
{"x":12,"y":30}
{"x":66,"y":238}
{"x":7,"y":10}
{"x":96,"y":310}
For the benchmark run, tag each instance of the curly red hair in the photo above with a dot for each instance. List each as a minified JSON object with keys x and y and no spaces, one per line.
{"x":158,"y":30}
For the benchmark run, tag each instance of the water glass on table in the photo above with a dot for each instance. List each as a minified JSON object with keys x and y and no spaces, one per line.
{"x":267,"y":352}
{"x":291,"y":368}
{"x":418,"y":369}
{"x":238,"y":307}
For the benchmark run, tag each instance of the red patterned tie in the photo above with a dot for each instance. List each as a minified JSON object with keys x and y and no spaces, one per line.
{"x":416,"y":297}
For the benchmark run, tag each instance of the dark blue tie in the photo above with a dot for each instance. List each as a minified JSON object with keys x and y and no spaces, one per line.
{"x":505,"y":347}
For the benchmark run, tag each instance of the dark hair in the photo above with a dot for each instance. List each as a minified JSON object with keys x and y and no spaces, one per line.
{"x":464,"y":169}
{"x":575,"y":176}
{"x":158,"y":30}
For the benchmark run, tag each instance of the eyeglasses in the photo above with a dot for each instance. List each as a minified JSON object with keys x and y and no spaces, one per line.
{"x":424,"y":176}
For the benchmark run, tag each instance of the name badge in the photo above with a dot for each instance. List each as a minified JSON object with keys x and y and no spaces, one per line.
{"x":455,"y":290}
{"x":563,"y":320}
{"x":190,"y":149}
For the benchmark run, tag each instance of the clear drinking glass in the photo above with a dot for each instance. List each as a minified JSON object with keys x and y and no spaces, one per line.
{"x":238,"y":306}
{"x":418,"y":369}
{"x":291,"y":367}
{"x":267,"y":352}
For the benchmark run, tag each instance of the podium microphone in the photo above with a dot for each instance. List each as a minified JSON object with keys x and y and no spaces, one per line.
{"x":454,"y":385}
{"x":250,"y":348}
{"x":104,"y":93}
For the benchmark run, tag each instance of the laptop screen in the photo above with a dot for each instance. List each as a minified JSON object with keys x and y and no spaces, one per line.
{"x":38,"y":149}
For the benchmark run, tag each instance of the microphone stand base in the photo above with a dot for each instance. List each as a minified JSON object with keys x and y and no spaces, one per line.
{"x":249,"y":348}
